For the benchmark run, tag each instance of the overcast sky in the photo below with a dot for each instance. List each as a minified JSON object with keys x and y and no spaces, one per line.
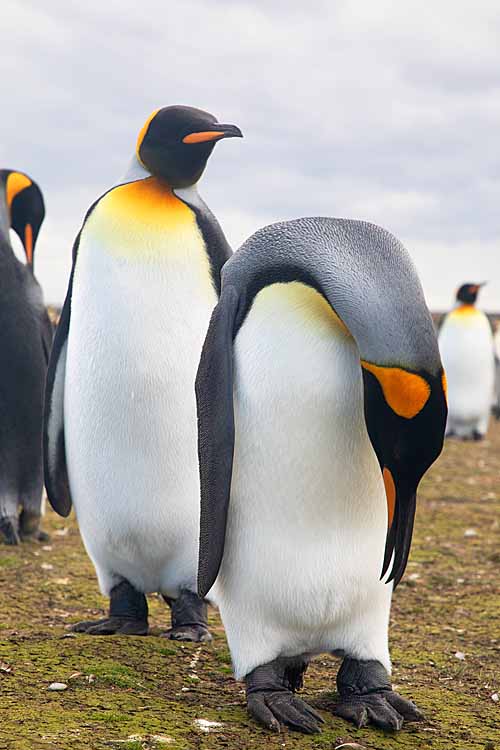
{"x":384,"y":110}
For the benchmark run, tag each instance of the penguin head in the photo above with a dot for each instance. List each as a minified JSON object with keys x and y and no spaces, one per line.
{"x":175,"y":143}
{"x":25,"y":206}
{"x":468,"y":293}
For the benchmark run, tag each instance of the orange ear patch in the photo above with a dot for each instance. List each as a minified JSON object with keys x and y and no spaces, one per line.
{"x":203,"y":137}
{"x":444,"y":383}
{"x":15,"y":183}
{"x":390,"y":492}
{"x":143,"y":132}
{"x":405,"y":392}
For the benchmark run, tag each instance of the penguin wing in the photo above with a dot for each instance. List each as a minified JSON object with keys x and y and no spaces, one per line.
{"x":214,"y":397}
{"x":54,"y":452}
{"x":47,"y":334}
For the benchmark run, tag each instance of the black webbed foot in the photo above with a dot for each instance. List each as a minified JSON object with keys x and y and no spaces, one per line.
{"x":194,"y":633}
{"x":9,"y":530}
{"x":366,"y":696}
{"x":189,"y":618}
{"x":111,"y":626}
{"x":128,"y":614}
{"x":271,"y":700}
{"x":29,"y":528}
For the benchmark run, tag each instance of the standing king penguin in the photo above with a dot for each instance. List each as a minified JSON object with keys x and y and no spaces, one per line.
{"x":120,"y":411}
{"x":467,"y":349}
{"x":25,"y":341}
{"x":321,"y":375}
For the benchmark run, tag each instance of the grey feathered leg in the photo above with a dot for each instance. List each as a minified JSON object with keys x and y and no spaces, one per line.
{"x":270,"y":695}
{"x":189,"y":618}
{"x":31,"y":500}
{"x":128,"y":614}
{"x":366,"y":695}
{"x":9,"y":516}
{"x":9,"y":529}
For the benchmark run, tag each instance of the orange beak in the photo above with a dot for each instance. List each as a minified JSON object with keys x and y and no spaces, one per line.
{"x":222,"y":131}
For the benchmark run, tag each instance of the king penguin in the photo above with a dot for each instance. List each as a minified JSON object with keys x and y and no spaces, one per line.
{"x":25,"y":341}
{"x":321,"y":405}
{"x":120,"y":414}
{"x":467,"y":349}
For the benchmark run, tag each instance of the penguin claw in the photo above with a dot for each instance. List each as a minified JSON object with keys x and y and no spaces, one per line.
{"x":111,"y":626}
{"x":282,"y":707}
{"x":385,"y":709}
{"x":193,"y":633}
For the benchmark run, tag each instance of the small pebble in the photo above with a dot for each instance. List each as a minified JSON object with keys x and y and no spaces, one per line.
{"x":495,"y":698}
{"x":58,"y":686}
{"x":470,"y":532}
{"x":207,"y":726}
{"x":460,"y":655}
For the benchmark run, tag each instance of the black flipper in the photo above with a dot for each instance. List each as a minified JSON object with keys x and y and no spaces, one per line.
{"x":54,"y":452}
{"x":47,"y":333}
{"x":214,"y":397}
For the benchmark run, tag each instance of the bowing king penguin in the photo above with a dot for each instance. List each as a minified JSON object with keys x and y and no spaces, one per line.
{"x":468,"y":352}
{"x":25,"y":341}
{"x":321,"y":404}
{"x":120,"y":414}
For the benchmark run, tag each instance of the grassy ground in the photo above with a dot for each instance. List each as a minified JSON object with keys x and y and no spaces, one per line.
{"x":134,"y":693}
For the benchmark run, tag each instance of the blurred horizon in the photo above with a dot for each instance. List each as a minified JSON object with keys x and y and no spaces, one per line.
{"x":385,"y":112}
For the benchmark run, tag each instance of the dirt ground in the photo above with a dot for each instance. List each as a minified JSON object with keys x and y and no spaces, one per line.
{"x":150,"y":693}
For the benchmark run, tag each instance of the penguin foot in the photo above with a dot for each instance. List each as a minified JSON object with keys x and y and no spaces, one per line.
{"x":189,"y":618}
{"x":9,"y":530}
{"x":111,"y":626}
{"x":271,"y":700}
{"x":194,"y":633}
{"x":29,"y":525}
{"x":128,"y":614}
{"x":476,"y":435}
{"x":366,"y":696}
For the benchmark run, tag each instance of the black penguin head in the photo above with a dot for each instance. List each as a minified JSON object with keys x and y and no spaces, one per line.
{"x":25,"y":206}
{"x":468,"y":293}
{"x":175,"y":143}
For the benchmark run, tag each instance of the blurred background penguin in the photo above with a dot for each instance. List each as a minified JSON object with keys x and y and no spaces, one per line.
{"x":25,"y":341}
{"x":467,"y":351}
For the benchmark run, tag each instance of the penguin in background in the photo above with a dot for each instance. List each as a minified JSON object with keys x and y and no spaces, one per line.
{"x":120,"y":438}
{"x":25,"y":341}
{"x":467,"y":351}
{"x":321,"y":404}
{"x":496,"y":396}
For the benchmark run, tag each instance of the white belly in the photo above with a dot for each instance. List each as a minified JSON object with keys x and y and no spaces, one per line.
{"x":307,"y":522}
{"x":466,"y":346}
{"x":134,"y":344}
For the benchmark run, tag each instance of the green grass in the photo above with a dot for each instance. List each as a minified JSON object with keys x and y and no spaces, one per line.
{"x":123,"y":692}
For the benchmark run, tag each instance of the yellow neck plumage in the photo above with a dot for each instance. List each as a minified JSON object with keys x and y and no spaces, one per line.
{"x":143,"y":219}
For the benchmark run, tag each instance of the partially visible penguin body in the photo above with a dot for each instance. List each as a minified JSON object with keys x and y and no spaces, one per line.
{"x":321,"y":405}
{"x":466,"y":344}
{"x":496,"y":396}
{"x":120,"y":438}
{"x":25,"y":341}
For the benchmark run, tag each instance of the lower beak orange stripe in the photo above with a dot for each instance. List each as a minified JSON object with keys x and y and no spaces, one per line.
{"x":209,"y":135}
{"x":390,"y":492}
{"x":28,"y":243}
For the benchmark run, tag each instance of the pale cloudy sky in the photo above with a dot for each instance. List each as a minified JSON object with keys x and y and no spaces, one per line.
{"x":385,"y":110}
